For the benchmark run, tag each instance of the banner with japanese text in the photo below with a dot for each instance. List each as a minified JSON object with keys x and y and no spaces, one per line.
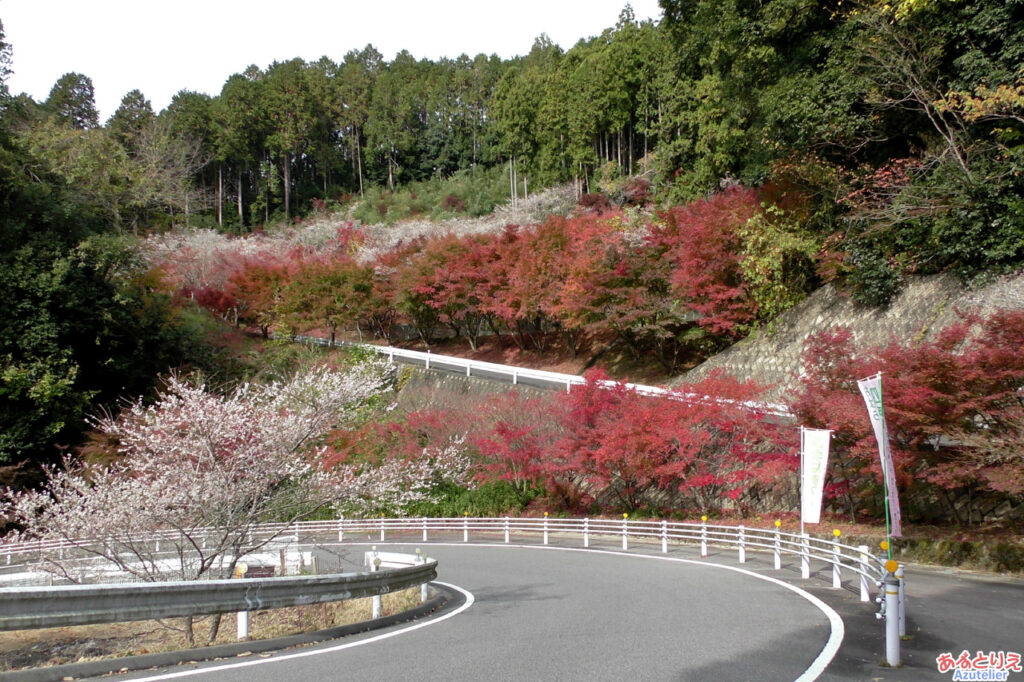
{"x":871,"y":389}
{"x":813,"y":466}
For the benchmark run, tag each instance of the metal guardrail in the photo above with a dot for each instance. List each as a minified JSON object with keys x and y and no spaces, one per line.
{"x":866,"y":568}
{"x":517,"y":374}
{"x":65,"y":605}
{"x":857,"y":560}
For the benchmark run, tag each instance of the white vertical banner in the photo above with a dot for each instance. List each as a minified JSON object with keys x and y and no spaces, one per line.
{"x":871,"y":389}
{"x":813,"y":465}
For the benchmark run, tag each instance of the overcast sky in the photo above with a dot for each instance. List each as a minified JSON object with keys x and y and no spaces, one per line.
{"x":163,"y":47}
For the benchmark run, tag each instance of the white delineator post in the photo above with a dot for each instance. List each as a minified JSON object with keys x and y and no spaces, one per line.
{"x":506,"y":530}
{"x":382,"y":528}
{"x":837,"y":576}
{"x":778,"y":546}
{"x":865,"y":563}
{"x":586,"y":532}
{"x":465,"y":527}
{"x":545,"y":528}
{"x":625,"y":531}
{"x":805,"y":556}
{"x":704,"y":536}
{"x":664,"y":536}
{"x":424,"y":529}
{"x":341,"y":528}
{"x":742,"y":546}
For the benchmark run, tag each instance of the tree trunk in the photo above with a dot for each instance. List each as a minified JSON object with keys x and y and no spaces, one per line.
{"x":214,"y":628}
{"x":220,"y":196}
{"x":241,"y":214}
{"x":287,"y":185}
{"x":630,"y":158}
{"x":391,"y":174}
{"x":359,"y":159}
{"x":190,"y":636}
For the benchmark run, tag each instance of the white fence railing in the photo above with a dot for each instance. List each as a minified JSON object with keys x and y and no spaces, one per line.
{"x":866,"y":568}
{"x":513,"y":374}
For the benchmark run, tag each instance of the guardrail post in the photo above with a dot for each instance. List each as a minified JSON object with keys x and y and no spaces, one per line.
{"x":424,"y":529}
{"x":341,"y":528}
{"x":586,"y":532}
{"x":420,"y":559}
{"x":428,"y":360}
{"x":865,"y":563}
{"x":903,"y":602}
{"x":778,"y":545}
{"x":545,"y":528}
{"x":465,"y":527}
{"x":515,"y":378}
{"x":805,"y":556}
{"x":568,"y":386}
{"x":625,"y":531}
{"x":391,"y":357}
{"x":704,"y":536}
{"x":242,"y":631}
{"x":242,"y":617}
{"x":664,"y":536}
{"x":837,"y":576}
{"x":467,"y":370}
{"x":374,"y":567}
{"x":892,"y":620}
{"x":506,"y":530}
{"x":156,"y":545}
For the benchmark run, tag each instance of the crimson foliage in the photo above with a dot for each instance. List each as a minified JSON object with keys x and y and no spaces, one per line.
{"x":953,"y":408}
{"x":607,"y":446}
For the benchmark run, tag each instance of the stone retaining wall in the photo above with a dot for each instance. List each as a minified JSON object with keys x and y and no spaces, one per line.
{"x":926,"y":305}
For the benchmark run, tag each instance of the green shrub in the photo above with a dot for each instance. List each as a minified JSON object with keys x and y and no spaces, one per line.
{"x":496,"y":498}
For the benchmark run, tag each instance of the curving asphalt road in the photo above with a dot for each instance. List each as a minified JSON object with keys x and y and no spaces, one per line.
{"x":541,"y":614}
{"x":563,"y":614}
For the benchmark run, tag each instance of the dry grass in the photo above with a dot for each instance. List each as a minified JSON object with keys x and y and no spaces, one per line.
{"x":55,"y":646}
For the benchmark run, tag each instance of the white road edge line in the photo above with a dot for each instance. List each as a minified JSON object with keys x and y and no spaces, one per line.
{"x":315,"y":652}
{"x":818,"y":665}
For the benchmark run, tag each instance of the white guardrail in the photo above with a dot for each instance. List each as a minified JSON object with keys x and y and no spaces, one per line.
{"x":866,"y":568}
{"x":866,"y":571}
{"x":514,"y":374}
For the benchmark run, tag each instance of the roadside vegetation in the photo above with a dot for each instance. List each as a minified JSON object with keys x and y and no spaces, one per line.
{"x":641,"y":200}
